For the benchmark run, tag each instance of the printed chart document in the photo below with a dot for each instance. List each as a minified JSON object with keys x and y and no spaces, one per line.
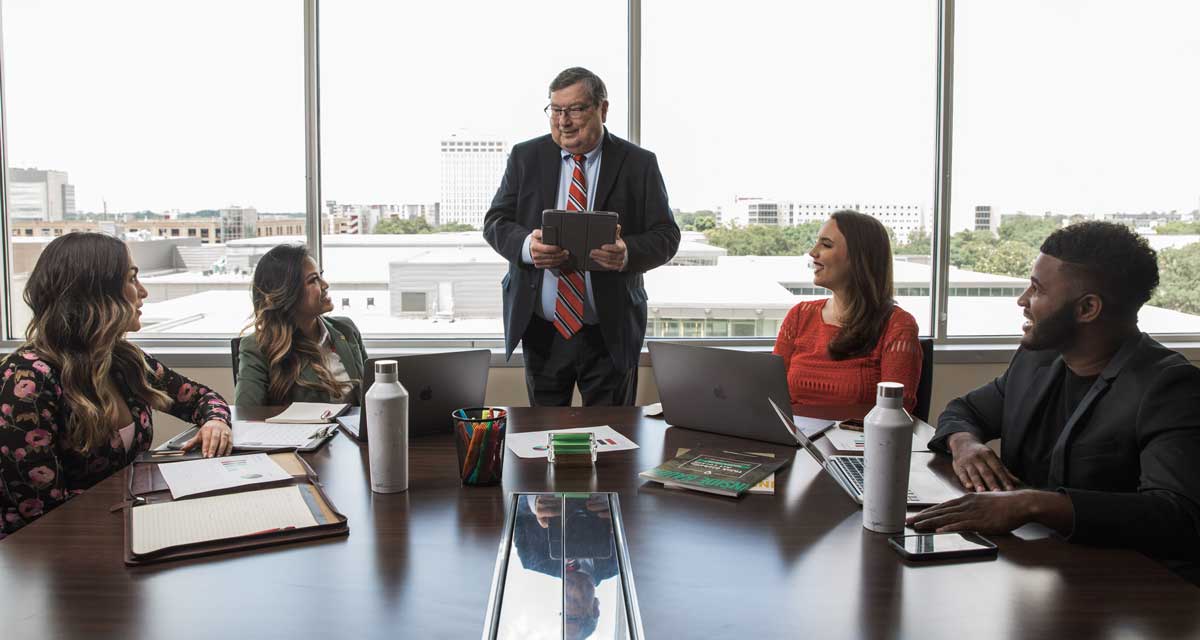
{"x":210,"y":474}
{"x":266,"y":435}
{"x":533,"y":443}
{"x":855,"y":441}
{"x":309,"y":412}
{"x":169,"y":524}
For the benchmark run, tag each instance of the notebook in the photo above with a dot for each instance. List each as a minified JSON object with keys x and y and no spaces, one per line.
{"x":159,"y":528}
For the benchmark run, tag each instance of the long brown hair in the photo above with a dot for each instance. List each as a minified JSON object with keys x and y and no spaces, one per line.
{"x":278,"y":290}
{"x":80,"y":316}
{"x":868,"y":301}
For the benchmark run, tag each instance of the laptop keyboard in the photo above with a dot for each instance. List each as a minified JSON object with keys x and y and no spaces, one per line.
{"x":853,"y":469}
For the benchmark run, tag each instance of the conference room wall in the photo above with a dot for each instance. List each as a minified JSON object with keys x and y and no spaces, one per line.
{"x":506,"y":387}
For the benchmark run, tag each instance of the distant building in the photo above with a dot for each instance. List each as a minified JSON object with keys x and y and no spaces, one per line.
{"x":34,"y":194}
{"x":281,"y":226}
{"x":471,"y":171}
{"x":902,"y":219}
{"x":238,"y":223}
{"x":985,"y":220}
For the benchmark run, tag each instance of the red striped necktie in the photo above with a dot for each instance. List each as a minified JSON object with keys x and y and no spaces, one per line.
{"x":568,"y":309}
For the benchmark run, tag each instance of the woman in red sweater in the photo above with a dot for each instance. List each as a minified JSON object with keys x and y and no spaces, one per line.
{"x":839,"y":348}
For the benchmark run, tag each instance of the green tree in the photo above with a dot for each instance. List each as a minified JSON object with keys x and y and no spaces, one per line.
{"x":1178,"y":273}
{"x":919,"y":244}
{"x":1177,"y":228}
{"x":1028,"y":230}
{"x":455,"y":226}
{"x":398,"y":226}
{"x":765,"y":240}
{"x":703,"y":223}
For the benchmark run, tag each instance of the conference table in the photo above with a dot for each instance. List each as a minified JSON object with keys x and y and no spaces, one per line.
{"x":419,"y":564}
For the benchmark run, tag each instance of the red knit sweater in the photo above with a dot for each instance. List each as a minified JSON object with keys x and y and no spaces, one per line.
{"x":816,"y":379}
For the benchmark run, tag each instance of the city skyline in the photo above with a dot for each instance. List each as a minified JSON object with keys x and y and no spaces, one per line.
{"x":1034,"y":125}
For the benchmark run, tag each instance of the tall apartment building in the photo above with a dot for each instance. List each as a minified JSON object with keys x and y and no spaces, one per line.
{"x":238,"y":223}
{"x":471,"y":171}
{"x":985,"y":220}
{"x":34,"y":194}
{"x":902,"y":219}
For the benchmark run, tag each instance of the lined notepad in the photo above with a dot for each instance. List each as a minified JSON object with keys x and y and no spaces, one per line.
{"x":170,"y":524}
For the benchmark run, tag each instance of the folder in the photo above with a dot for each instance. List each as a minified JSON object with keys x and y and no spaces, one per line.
{"x":159,"y":529}
{"x":579,"y":232}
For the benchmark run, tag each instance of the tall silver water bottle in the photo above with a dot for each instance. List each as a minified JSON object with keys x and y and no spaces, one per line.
{"x":888,"y":450}
{"x":386,"y":406}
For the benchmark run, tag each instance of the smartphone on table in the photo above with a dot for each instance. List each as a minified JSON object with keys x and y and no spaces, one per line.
{"x":943,"y":546}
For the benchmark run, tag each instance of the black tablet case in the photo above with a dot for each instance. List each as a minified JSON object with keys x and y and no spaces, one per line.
{"x":579,"y":232}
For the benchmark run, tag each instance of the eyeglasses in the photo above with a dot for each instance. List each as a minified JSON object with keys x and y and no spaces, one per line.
{"x":572,"y":113}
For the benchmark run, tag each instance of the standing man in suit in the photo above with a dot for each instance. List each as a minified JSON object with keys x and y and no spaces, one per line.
{"x":579,"y":328}
{"x":1098,"y":420}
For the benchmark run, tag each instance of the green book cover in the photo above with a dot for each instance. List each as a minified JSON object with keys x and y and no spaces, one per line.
{"x":725,"y":473}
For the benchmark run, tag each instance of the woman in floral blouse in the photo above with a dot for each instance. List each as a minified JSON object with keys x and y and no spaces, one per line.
{"x":76,"y":398}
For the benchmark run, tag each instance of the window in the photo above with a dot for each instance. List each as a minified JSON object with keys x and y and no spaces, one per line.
{"x":770,"y":128}
{"x":211,"y":111}
{"x":416,"y":134}
{"x":1091,"y":117}
{"x":410,"y":302}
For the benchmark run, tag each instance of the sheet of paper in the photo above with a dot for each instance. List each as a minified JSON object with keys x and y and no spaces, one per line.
{"x":653,"y":410}
{"x":209,"y":474}
{"x":168,"y":524}
{"x":533,"y":444}
{"x":310,"y":412}
{"x":266,"y":434}
{"x":847,"y":440}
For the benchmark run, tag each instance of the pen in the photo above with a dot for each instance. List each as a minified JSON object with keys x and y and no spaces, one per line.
{"x":163,"y":454}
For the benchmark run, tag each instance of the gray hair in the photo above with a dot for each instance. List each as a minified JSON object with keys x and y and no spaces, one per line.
{"x":591,"y":82}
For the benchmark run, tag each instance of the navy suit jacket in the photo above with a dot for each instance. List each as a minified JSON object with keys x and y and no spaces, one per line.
{"x":1128,"y":457}
{"x":629,"y":184}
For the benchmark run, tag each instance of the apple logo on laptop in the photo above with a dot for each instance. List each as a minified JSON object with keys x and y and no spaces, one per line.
{"x":426,"y":393}
{"x":719,"y":392}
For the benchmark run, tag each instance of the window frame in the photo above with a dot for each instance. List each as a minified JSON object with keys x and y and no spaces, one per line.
{"x":184,"y":350}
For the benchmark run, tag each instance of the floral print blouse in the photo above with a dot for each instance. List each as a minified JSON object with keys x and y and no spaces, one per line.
{"x":39,"y":469}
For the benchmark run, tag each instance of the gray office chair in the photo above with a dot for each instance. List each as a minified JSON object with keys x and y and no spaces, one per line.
{"x":235,"y":346}
{"x":924,"y":385}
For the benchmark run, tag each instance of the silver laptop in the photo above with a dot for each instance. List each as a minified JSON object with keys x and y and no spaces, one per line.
{"x":437,"y":383}
{"x":721,"y":390}
{"x":924,"y":487}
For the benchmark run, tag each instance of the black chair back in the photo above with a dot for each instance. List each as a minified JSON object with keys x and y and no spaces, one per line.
{"x":235,"y":346}
{"x":925,"y":386}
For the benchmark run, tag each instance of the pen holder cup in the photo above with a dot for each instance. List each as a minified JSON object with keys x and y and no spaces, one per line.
{"x":577,"y":449}
{"x":479,"y":439}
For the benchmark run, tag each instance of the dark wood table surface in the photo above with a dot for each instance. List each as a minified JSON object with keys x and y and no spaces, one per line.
{"x":419,"y":564}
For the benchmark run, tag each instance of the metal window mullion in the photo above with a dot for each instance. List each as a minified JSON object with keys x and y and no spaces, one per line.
{"x":6,"y":329}
{"x":312,"y":130}
{"x":942,"y":169}
{"x":634,"y":60}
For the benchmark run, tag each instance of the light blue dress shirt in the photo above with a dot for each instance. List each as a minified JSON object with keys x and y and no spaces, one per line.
{"x":591,"y":170}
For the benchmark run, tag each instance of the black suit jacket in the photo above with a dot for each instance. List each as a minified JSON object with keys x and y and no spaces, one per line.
{"x":629,"y":184}
{"x":1128,"y":457}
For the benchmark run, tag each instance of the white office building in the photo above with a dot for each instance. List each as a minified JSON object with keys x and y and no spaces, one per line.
{"x":985,"y":219}
{"x":472,"y":167}
{"x":902,"y":219}
{"x":34,"y":194}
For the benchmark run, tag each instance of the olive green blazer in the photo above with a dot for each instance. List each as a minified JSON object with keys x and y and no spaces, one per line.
{"x":252,"y":381}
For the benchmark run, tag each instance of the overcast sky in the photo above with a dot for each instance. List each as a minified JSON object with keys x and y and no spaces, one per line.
{"x":1068,"y":106}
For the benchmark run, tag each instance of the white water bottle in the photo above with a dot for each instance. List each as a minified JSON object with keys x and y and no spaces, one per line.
{"x":887,"y":455}
{"x":386,"y":408}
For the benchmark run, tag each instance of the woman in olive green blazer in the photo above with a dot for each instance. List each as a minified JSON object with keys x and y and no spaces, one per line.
{"x":296,"y":353}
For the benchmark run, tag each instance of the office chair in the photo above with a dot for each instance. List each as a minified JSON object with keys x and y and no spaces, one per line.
{"x":924,"y":386}
{"x":235,"y":346}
